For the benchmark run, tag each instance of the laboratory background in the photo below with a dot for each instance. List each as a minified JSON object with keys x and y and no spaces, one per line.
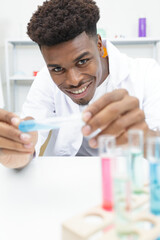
{"x":47,"y":198}
{"x":20,"y":59}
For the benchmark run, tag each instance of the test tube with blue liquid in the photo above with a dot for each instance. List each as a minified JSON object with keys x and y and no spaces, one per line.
{"x":153,"y":156}
{"x":106,"y":152}
{"x":135,"y":141}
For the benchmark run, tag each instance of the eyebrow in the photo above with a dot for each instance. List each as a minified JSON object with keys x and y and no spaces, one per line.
{"x":81,"y":56}
{"x":53,"y":65}
{"x":75,"y":60}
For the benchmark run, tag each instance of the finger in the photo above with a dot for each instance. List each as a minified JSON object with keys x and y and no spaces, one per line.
{"x":12,"y":133}
{"x":28,"y":118}
{"x":141,"y":126}
{"x":109,"y":114}
{"x":12,"y":145}
{"x":14,"y":159}
{"x":123,"y":138}
{"x":124,"y":122}
{"x":133,"y":120}
{"x":9,"y":117}
{"x":15,"y":121}
{"x":102,"y":102}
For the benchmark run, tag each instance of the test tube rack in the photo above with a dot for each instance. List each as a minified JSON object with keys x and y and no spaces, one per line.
{"x":77,"y":228}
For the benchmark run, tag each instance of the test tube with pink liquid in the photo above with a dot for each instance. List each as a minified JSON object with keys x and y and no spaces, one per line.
{"x":106,"y":152}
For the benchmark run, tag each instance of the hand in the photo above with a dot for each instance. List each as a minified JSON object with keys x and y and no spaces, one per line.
{"x":114,"y":113}
{"x":14,"y":144}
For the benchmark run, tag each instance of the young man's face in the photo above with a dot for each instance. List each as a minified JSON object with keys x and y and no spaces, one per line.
{"x":75,"y":66}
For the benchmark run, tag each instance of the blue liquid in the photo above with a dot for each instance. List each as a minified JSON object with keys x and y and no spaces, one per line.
{"x":32,"y":125}
{"x":50,"y":123}
{"x":155,"y":188}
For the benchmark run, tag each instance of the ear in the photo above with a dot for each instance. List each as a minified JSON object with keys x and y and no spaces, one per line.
{"x":100,"y":45}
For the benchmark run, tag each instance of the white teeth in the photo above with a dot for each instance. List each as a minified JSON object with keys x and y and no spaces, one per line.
{"x":79,"y":91}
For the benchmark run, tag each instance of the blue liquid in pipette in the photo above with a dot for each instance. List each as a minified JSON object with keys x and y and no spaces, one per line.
{"x":32,"y":125}
{"x":155,"y":188}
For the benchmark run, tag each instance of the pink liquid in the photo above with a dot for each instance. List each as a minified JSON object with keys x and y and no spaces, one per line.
{"x":107,"y":184}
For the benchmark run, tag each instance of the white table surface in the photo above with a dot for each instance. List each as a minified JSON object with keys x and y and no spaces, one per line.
{"x":36,"y":200}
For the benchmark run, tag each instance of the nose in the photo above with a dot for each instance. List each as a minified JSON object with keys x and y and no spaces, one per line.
{"x":73,"y":77}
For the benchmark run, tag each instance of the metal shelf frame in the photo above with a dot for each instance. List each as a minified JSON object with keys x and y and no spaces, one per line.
{"x":26,"y":42}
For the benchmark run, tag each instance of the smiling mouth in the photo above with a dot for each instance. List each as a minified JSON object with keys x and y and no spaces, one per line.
{"x":80,"y":93}
{"x":80,"y":90}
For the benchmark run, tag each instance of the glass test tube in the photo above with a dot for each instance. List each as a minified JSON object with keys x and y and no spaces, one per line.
{"x":153,"y":155}
{"x":106,"y":152}
{"x":135,"y":139}
{"x":122,"y":191}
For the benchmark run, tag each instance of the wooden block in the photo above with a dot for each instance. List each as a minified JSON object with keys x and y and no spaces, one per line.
{"x":77,"y":228}
{"x":152,"y":233}
{"x":142,"y":234}
{"x":138,"y":200}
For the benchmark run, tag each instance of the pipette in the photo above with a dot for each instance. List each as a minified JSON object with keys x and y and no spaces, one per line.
{"x":50,"y":123}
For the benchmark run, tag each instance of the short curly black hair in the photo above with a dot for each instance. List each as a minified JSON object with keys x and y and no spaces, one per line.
{"x":58,"y":21}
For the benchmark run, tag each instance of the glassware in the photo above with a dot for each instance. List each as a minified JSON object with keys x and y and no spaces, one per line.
{"x":153,"y":155}
{"x":106,"y":152}
{"x":135,"y":139}
{"x":122,"y":190}
{"x":50,"y":123}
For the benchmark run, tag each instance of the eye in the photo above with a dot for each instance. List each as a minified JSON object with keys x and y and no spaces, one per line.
{"x":56,"y":69}
{"x":83,"y":61}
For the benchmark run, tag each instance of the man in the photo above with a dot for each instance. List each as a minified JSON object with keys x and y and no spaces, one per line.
{"x":122,"y":93}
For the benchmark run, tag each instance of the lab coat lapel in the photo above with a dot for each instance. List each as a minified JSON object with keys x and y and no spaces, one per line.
{"x":69,"y":137}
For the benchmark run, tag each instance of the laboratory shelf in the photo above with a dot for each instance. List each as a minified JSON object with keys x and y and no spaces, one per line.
{"x":24,"y":53}
{"x":142,"y":40}
{"x":21,"y":42}
{"x":21,"y":78}
{"x":123,"y":41}
{"x":22,"y":59}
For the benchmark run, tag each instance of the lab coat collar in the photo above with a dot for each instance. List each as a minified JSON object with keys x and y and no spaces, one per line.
{"x":118,"y":64}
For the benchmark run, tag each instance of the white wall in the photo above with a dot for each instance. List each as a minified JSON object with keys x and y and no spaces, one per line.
{"x":121,"y":17}
{"x":118,"y":17}
{"x":14,"y":16}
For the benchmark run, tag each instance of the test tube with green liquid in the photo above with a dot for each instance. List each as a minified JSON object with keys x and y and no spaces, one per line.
{"x":122,"y":191}
{"x":135,"y":141}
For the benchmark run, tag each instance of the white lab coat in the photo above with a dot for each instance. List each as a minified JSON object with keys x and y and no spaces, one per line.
{"x":1,"y":95}
{"x":141,"y":77}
